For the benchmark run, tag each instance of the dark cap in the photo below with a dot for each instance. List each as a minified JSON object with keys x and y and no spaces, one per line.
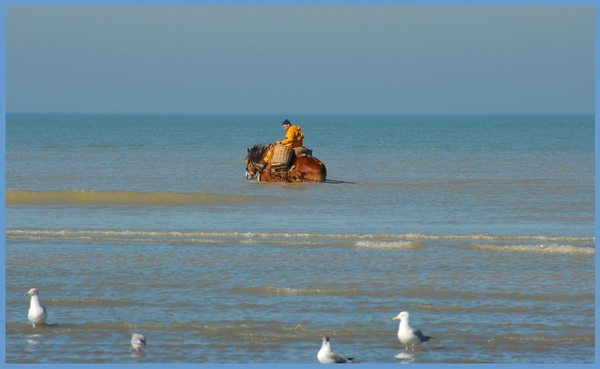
{"x":286,"y":122}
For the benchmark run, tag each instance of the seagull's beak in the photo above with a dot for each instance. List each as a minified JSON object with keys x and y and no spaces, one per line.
{"x":395,"y":318}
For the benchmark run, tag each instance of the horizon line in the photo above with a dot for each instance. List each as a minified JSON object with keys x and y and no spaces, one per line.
{"x":295,"y":113}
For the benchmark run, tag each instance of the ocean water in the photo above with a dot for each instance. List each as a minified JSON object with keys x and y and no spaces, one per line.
{"x":482,"y":227}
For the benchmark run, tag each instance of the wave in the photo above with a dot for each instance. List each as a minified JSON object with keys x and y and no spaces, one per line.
{"x":422,"y":293}
{"x":365,"y":240}
{"x":127,"y":198}
{"x":400,"y":242}
{"x":464,"y":295}
{"x":389,"y":245}
{"x":544,"y":249}
{"x":501,"y":238}
{"x":275,"y":290}
{"x":270,"y":331}
{"x":88,"y":303}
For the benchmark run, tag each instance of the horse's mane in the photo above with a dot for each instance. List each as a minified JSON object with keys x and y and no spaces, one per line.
{"x":257,"y":152}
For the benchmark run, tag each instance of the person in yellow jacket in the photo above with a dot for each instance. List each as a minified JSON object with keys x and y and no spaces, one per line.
{"x":293,"y":138}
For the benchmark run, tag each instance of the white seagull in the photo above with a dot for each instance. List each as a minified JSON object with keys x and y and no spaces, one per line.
{"x":407,"y":334}
{"x":326,"y":356}
{"x":37,"y":312}
{"x":138,"y":341}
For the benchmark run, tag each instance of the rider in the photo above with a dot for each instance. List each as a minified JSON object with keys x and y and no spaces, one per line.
{"x":293,"y":138}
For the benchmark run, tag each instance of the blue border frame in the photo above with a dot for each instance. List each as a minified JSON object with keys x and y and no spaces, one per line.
{"x":268,"y":2}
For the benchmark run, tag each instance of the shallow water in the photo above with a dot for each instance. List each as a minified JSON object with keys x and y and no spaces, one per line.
{"x":481,"y":227}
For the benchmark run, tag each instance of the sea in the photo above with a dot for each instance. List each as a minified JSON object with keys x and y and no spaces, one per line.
{"x":482,"y":227}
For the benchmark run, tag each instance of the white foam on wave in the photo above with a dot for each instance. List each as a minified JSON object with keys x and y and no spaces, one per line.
{"x":277,"y":290}
{"x":413,"y":237}
{"x":388,"y":244}
{"x":552,"y":248}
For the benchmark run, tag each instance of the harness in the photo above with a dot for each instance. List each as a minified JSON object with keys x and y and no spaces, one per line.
{"x":281,"y":173}
{"x":254,"y":166}
{"x":255,"y":172}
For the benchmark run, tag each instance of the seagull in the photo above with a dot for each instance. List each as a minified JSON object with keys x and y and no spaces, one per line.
{"x":37,"y":312}
{"x":326,"y":356}
{"x":138,"y":341}
{"x":407,"y":334}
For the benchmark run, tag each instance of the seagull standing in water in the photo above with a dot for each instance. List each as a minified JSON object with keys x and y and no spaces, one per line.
{"x":37,"y":312}
{"x":407,"y":334}
{"x":326,"y":356}
{"x":138,"y":341}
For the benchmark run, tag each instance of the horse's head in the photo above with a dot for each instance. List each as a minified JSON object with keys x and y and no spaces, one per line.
{"x":251,"y":169}
{"x":254,"y":156}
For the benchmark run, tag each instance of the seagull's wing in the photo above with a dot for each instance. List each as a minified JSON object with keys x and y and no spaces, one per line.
{"x":420,"y":334}
{"x":338,"y":359}
{"x":138,"y":340}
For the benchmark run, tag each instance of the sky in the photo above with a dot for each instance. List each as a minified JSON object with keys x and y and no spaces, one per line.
{"x":313,"y":59}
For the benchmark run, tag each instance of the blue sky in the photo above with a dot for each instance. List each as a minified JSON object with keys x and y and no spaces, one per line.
{"x":391,"y":59}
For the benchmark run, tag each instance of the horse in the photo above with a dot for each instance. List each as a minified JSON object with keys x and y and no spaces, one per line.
{"x":301,"y":169}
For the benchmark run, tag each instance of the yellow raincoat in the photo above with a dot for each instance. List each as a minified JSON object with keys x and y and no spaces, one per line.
{"x":293,"y":138}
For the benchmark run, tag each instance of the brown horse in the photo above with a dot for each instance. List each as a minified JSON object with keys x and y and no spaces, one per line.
{"x":301,"y":169}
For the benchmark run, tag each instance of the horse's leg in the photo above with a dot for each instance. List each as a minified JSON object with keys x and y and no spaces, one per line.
{"x":290,"y":177}
{"x":266,"y":176}
{"x":294,"y":175}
